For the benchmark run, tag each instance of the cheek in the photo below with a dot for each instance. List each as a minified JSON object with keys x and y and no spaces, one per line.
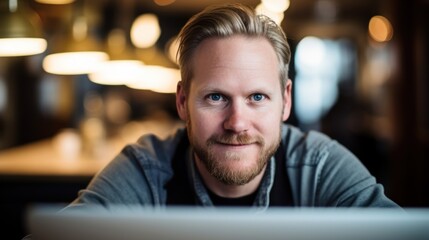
{"x":203,"y":124}
{"x":269,"y":125}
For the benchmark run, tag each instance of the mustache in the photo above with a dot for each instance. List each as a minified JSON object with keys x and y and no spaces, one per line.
{"x":236,"y":139}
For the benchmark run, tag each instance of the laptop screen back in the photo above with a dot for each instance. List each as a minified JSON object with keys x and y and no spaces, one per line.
{"x":134,"y":223}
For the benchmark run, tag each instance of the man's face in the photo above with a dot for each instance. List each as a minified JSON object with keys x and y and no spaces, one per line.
{"x":235,"y":107}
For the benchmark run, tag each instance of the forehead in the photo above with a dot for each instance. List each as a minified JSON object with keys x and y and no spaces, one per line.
{"x":235,"y":58}
{"x":234,"y":48}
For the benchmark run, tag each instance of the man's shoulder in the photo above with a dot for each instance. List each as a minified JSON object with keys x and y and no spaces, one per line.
{"x":295,"y":137}
{"x":154,"y":150}
{"x":305,"y":148}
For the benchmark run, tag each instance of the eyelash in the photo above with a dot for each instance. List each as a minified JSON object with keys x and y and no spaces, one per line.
{"x":222,"y":98}
{"x":263,"y":97}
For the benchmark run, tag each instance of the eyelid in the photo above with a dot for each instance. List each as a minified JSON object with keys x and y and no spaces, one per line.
{"x":264,"y":97}
{"x":222,"y":97}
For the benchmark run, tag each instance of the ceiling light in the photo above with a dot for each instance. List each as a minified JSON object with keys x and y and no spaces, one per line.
{"x":123,"y":67}
{"x":164,"y":2}
{"x":172,"y":48}
{"x":145,"y":31}
{"x":56,"y":2}
{"x":73,"y":63}
{"x":276,"y":5}
{"x":77,"y":53}
{"x":20,"y":32}
{"x":277,"y":17}
{"x":117,"y":72}
{"x":157,"y":79}
{"x":380,"y":29}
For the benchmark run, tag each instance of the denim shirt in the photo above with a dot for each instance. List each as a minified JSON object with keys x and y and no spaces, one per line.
{"x":321,"y":171}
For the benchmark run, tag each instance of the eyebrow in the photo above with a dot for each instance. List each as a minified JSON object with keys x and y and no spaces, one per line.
{"x":210,"y":89}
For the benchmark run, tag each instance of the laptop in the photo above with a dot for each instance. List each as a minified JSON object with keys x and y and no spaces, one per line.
{"x":132,"y":223}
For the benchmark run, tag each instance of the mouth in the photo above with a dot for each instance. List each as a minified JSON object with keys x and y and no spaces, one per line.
{"x":235,"y":145}
{"x":237,"y":141}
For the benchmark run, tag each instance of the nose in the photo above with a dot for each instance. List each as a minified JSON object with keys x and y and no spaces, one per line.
{"x":237,"y":118}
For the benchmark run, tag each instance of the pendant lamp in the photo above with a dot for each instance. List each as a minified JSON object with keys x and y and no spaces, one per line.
{"x":20,"y":33}
{"x":157,"y":79}
{"x":55,"y":2}
{"x":123,"y":66}
{"x":77,"y":51}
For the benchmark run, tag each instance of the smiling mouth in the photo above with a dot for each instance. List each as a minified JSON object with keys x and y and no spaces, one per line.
{"x":235,"y":140}
{"x":235,"y":144}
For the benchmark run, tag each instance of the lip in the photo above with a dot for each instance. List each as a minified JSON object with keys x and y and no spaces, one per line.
{"x":232,"y":145}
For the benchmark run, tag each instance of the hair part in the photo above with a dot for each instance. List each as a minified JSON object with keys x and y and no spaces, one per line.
{"x":223,"y":21}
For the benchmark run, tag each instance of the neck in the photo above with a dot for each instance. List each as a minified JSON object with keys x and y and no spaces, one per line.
{"x":224,"y":190}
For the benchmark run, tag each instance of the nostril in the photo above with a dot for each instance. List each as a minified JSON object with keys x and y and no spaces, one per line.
{"x":235,"y":124}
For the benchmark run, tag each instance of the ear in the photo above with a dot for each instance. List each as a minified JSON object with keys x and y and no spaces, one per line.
{"x":181,"y":105}
{"x":287,"y":100}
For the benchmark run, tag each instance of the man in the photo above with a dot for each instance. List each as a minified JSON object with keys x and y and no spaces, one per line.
{"x":235,"y":150}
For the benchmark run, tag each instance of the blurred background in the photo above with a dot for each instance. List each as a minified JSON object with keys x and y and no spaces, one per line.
{"x":79,"y":79}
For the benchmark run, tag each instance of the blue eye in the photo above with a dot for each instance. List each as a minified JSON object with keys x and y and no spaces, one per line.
{"x":258,"y":97}
{"x":215,"y":97}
